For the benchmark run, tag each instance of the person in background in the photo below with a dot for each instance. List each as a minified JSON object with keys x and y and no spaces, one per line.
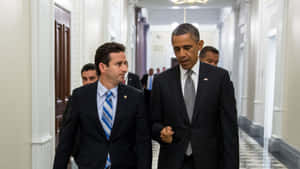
{"x":88,"y":76}
{"x":157,"y":71}
{"x":133,"y":80}
{"x":147,"y":79}
{"x":209,"y":55}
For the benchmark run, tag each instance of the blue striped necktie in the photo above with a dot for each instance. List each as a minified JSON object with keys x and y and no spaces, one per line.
{"x":107,"y":121}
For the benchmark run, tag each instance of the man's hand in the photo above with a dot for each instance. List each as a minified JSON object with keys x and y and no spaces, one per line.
{"x":166,"y":134}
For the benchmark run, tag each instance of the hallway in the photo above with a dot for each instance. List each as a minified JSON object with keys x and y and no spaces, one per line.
{"x":252,"y":155}
{"x":258,"y":41}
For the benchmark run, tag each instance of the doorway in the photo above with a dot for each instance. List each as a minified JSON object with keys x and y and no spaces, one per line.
{"x":62,"y":64}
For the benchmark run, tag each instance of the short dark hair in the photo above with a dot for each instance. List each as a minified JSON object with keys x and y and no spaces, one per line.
{"x":206,"y":49}
{"x":103,"y":53}
{"x":186,"y":28}
{"x":87,"y":67}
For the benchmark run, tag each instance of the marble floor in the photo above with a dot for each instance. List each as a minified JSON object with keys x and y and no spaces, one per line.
{"x":252,"y":155}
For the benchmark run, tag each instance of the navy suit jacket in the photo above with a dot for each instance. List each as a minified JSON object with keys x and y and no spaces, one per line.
{"x":134,"y":81}
{"x":129,"y":144}
{"x":213,"y":132}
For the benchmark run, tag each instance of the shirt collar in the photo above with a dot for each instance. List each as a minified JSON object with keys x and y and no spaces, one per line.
{"x":195,"y":69}
{"x":102,"y":90}
{"x":126,"y":75}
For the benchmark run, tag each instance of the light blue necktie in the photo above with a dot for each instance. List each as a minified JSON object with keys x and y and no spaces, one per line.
{"x":150,"y":83}
{"x":107,"y":121}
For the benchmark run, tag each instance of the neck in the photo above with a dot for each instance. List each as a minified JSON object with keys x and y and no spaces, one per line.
{"x":107,"y":84}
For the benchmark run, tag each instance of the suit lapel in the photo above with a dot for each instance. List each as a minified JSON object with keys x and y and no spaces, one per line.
{"x":178,"y":92}
{"x":96,"y":109}
{"x":203,"y":70}
{"x":129,"y":78}
{"x":120,"y":107}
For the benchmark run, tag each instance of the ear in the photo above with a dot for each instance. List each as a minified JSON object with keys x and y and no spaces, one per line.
{"x":201,"y":43}
{"x":102,"y":67}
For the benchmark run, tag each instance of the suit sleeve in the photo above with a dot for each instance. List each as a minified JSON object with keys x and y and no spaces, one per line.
{"x":143,"y":140}
{"x":139,"y":84}
{"x":229,"y":125}
{"x":144,"y":81}
{"x":67,"y":114}
{"x":155,"y":109}
{"x":67,"y":136}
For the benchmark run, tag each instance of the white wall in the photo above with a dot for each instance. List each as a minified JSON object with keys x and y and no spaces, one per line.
{"x":15,"y":72}
{"x":291,"y":116}
{"x":227,"y":41}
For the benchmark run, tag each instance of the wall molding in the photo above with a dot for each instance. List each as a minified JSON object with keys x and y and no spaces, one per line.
{"x":42,"y":35}
{"x":258,"y":102}
{"x":42,"y":140}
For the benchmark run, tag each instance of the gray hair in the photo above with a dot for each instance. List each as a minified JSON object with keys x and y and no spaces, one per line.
{"x":187,"y":28}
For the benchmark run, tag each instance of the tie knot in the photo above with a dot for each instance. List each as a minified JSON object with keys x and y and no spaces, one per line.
{"x":108,"y":94}
{"x":189,"y":72}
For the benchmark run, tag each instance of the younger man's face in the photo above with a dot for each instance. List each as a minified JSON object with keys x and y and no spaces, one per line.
{"x":210,"y":58}
{"x":89,"y":76}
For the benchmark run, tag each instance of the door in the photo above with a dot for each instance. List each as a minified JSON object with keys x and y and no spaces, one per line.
{"x":62,"y":64}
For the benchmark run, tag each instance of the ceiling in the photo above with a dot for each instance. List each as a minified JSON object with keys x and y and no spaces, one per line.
{"x":162,"y":12}
{"x":165,"y":4}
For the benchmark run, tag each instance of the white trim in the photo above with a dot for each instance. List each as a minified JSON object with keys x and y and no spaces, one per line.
{"x":42,"y":50}
{"x":258,"y":102}
{"x":278,"y":109}
{"x":42,"y":140}
{"x":272,"y":33}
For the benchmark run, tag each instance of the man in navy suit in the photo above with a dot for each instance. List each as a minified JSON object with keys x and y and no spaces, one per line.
{"x":133,"y":80}
{"x":193,"y":110}
{"x":111,"y":119}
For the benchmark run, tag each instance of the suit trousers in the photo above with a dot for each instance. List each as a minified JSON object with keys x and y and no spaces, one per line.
{"x":188,"y":162}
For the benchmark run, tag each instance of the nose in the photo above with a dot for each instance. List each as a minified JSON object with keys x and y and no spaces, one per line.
{"x":124,"y":68}
{"x":181,"y":53}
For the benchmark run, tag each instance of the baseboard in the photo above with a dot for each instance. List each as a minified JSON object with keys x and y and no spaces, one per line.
{"x":253,"y":130}
{"x":285,"y":153}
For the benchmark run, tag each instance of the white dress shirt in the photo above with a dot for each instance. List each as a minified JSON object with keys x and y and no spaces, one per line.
{"x":194,"y":76}
{"x":101,"y":91}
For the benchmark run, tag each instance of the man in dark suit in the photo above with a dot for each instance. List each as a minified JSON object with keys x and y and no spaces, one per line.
{"x":88,"y":76}
{"x":133,"y":80}
{"x":111,"y":119}
{"x":193,"y":110}
{"x":147,"y":79}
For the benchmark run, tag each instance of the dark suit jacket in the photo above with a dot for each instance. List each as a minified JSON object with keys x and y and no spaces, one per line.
{"x":66,"y":119}
{"x":129,"y":143}
{"x":213,"y":131}
{"x":144,"y":80}
{"x":134,"y":81}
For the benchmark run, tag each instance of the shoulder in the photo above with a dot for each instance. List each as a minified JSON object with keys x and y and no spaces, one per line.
{"x":169,"y":73}
{"x":132,"y":75}
{"x":85,"y":90}
{"x":129,"y":90}
{"x":213,"y":69}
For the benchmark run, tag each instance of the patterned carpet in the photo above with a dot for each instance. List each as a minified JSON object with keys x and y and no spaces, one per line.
{"x":252,"y":155}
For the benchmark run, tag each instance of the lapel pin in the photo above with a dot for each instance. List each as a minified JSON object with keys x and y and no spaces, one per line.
{"x":205,"y":79}
{"x":125,"y":97}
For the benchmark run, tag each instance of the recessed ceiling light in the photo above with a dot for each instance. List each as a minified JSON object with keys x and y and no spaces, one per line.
{"x":188,"y":1}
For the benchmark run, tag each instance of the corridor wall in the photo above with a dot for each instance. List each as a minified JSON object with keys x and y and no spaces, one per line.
{"x":15,"y":72}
